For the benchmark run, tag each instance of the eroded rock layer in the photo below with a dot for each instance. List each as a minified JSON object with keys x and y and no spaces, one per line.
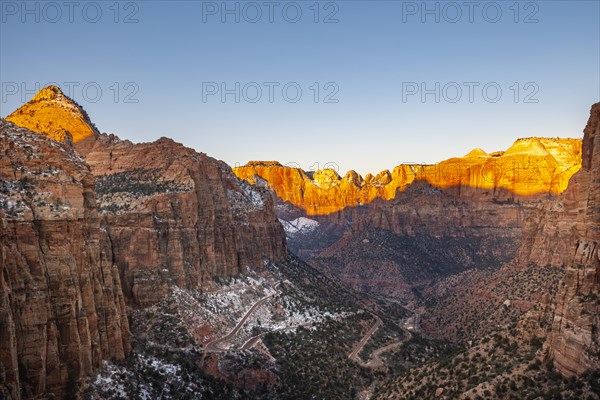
{"x":62,"y":310}
{"x":175,"y":216}
{"x":531,"y":166}
{"x":568,"y":233}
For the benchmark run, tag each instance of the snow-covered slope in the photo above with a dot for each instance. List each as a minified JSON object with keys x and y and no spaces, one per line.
{"x":299,"y":225}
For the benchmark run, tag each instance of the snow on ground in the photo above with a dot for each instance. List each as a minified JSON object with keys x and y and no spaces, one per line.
{"x":246,"y":200}
{"x":283,"y":312}
{"x":299,"y":225}
{"x":111,"y":379}
{"x":211,"y":315}
{"x":109,"y":376}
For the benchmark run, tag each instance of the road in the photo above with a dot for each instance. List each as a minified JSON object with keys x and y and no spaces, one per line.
{"x":354,"y":355}
{"x":213,"y":346}
{"x":254,"y":339}
{"x":374,"y":360}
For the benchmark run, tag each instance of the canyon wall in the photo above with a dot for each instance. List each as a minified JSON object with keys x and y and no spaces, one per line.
{"x":62,"y":308}
{"x":175,"y":216}
{"x":531,"y":166}
{"x":569,"y":233}
{"x":89,"y":222}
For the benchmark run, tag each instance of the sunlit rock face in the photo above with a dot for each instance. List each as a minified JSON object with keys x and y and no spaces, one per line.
{"x":52,"y":113}
{"x":62,"y":310}
{"x":531,"y":166}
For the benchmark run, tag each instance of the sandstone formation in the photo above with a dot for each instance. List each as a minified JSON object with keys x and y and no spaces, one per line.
{"x":393,"y":248}
{"x":531,"y":166}
{"x":175,"y":216}
{"x":55,"y":115}
{"x":572,"y":224}
{"x":172,"y":215}
{"x":62,"y":310}
{"x":74,"y":246}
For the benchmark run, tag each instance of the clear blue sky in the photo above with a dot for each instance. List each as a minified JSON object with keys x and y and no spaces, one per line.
{"x":373,"y":56}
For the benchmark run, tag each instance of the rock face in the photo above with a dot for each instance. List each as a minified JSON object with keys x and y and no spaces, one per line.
{"x":175,"y":216}
{"x":62,"y":310}
{"x":395,"y":247}
{"x":531,"y":166}
{"x":568,"y":233}
{"x":172,"y":216}
{"x":395,"y":233}
{"x":74,"y":246}
{"x":52,"y":113}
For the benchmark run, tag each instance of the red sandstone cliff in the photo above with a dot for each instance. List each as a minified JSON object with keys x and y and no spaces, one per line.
{"x":73,"y":245}
{"x":175,"y":216}
{"x":574,"y":340}
{"x":62,"y":310}
{"x":531,"y":166}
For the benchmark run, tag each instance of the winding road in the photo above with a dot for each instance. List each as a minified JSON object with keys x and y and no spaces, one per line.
{"x":254,"y":339}
{"x":213,"y":345}
{"x":374,"y":360}
{"x":359,"y":346}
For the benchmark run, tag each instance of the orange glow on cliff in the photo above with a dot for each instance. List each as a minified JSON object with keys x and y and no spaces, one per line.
{"x":529,"y":167}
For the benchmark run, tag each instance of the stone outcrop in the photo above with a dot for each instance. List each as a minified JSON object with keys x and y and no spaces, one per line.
{"x":175,"y":216}
{"x":172,"y":216}
{"x":569,"y":233}
{"x":531,"y":166}
{"x":394,"y":247}
{"x":55,"y":115}
{"x":62,"y":310}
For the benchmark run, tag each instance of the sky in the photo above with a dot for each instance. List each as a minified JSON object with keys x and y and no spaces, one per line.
{"x":363,"y":85}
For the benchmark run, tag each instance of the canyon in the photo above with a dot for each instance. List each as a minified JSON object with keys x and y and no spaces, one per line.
{"x":396,"y":234}
{"x":123,"y":262}
{"x":90,"y":222}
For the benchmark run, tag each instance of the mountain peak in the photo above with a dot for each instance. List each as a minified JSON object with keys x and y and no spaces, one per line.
{"x":477,"y":152}
{"x":529,"y":146}
{"x":53,"y":114}
{"x":326,"y":178}
{"x":49,"y":93}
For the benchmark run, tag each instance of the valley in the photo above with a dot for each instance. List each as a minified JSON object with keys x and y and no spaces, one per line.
{"x":153,"y":271}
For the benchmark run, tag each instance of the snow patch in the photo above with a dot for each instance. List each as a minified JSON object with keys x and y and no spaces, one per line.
{"x":299,"y":225}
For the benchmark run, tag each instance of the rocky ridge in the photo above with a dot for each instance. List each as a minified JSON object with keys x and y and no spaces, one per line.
{"x":531,"y":166}
{"x":178,"y":217}
{"x":55,"y":115}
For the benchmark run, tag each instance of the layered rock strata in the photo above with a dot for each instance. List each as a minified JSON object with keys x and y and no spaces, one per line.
{"x":62,"y":309}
